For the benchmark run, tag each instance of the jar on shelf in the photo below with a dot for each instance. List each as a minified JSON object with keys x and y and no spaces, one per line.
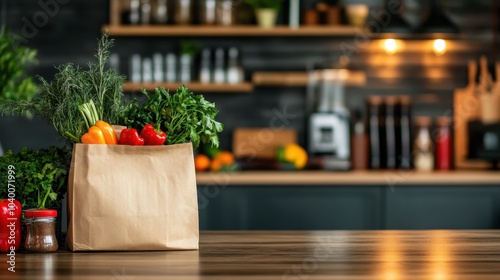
{"x":183,"y":12}
{"x":443,"y":143}
{"x":208,"y":13}
{"x":226,"y":12}
{"x":423,"y":149}
{"x":40,"y":230}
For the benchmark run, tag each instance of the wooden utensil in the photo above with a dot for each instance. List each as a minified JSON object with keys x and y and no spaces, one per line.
{"x":489,"y":100}
{"x":261,"y":143}
{"x":465,"y":108}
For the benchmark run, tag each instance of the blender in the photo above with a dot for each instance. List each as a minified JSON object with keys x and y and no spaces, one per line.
{"x":328,"y":118}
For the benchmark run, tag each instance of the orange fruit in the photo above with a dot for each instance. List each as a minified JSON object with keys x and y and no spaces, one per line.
{"x":216,"y":165}
{"x":225,"y":158}
{"x":201,"y":162}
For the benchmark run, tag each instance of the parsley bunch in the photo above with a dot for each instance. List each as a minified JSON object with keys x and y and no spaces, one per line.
{"x":184,"y":116}
{"x":41,"y":176}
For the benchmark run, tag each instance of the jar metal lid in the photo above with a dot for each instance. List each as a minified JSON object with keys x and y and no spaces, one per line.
{"x":40,"y":213}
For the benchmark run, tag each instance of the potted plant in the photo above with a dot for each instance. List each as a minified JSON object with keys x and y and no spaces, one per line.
{"x":266,"y":11}
{"x":15,"y":84}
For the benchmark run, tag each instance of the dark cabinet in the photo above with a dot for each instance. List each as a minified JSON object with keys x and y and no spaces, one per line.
{"x":348,"y":207}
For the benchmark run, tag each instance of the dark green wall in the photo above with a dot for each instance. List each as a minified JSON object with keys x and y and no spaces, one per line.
{"x":70,"y":36}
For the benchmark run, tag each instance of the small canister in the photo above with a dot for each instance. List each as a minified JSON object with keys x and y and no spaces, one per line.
{"x":40,"y":230}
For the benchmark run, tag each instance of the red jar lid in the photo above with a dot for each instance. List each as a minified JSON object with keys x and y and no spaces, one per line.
{"x":40,"y":213}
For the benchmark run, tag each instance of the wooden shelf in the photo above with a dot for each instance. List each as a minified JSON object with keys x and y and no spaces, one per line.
{"x":376,"y":178}
{"x":294,"y":79}
{"x":194,"y":86}
{"x":237,"y":31}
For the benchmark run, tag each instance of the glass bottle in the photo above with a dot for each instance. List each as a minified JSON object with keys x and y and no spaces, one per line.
{"x":359,"y":144}
{"x":40,"y":230}
{"x":225,"y":12}
{"x":404,"y":133}
{"x":443,"y":143}
{"x":390,"y":131}
{"x":208,"y":11}
{"x":234,"y":70}
{"x":145,"y":12}
{"x":206,"y":66}
{"x":220,"y":64}
{"x":374,"y":131}
{"x":135,"y":11}
{"x":161,"y":13}
{"x":423,"y":149}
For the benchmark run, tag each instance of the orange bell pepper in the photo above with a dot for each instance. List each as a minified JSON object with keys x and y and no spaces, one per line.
{"x":108,"y":131}
{"x":94,"y":136}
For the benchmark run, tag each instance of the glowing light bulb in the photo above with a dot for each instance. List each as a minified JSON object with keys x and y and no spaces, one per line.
{"x":390,"y":46}
{"x":439,"y":46}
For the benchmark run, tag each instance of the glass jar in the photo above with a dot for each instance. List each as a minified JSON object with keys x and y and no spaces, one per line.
{"x":208,"y":11}
{"x":423,"y":148}
{"x":225,"y":12}
{"x":40,"y":230}
{"x":183,"y":12}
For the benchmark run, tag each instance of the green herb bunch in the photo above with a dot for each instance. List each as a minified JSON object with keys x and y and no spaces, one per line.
{"x":71,"y":87}
{"x":265,"y":4}
{"x":41,"y":176}
{"x":184,"y":116}
{"x":14,"y":59}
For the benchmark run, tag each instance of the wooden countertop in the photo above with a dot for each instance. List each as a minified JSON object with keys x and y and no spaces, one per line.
{"x":313,"y":255}
{"x":389,"y":177}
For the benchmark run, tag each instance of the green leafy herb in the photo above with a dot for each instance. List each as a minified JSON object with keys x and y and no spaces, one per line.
{"x":14,"y":59}
{"x":184,"y":116}
{"x":41,"y":176}
{"x":71,"y":87}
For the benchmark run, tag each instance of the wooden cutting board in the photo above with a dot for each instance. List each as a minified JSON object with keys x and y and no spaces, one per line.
{"x":466,"y":107}
{"x":260,"y":143}
{"x":461,"y":114}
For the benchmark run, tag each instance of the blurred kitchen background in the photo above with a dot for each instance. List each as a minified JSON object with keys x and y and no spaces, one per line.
{"x":404,"y":53}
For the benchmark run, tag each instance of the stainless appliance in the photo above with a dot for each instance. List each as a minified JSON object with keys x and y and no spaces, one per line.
{"x":329,"y":119}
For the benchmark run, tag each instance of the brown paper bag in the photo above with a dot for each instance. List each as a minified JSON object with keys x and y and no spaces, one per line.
{"x":132,"y":198}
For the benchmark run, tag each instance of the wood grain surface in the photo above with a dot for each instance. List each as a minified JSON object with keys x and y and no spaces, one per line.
{"x":351,"y":255}
{"x":375,"y":178}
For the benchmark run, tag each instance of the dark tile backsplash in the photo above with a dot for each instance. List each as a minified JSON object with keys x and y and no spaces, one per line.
{"x":71,"y":36}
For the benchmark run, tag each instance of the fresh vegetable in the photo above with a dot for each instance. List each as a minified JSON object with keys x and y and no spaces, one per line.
{"x":130,"y":136}
{"x":223,"y":161}
{"x":71,"y":88}
{"x":10,"y":225}
{"x":108,"y":131}
{"x":292,"y":153}
{"x":184,"y":116}
{"x":152,"y":136}
{"x":41,"y":176}
{"x":94,"y":136}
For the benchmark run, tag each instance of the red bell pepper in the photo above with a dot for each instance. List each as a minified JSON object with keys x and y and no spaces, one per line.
{"x":152,"y":136}
{"x":130,"y":136}
{"x":10,"y":225}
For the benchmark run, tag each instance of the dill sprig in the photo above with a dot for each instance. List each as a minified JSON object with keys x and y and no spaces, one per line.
{"x":59,"y":100}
